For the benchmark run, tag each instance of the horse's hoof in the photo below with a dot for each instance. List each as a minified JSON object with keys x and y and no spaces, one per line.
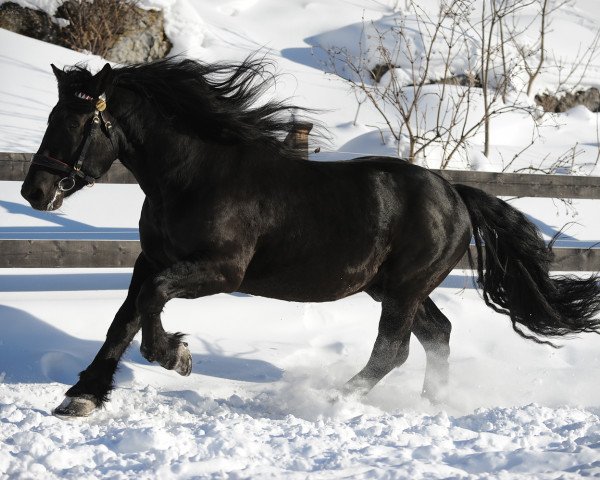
{"x":334,"y":398}
{"x":75,"y":407}
{"x":147,"y":353}
{"x":356,"y":387}
{"x":436,"y":396}
{"x":183,"y":365}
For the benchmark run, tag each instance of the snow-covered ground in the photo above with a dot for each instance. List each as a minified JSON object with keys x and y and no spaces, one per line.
{"x":261,"y":401}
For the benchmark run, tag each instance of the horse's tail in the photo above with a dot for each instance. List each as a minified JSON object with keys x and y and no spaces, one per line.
{"x":513,"y":265}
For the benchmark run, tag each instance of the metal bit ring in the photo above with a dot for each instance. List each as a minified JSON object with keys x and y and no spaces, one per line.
{"x":66,"y":184}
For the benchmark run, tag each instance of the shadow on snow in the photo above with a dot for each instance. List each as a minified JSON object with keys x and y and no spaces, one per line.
{"x":33,"y":351}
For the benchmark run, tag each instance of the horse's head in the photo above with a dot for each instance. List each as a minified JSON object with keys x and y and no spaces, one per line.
{"x":80,"y":142}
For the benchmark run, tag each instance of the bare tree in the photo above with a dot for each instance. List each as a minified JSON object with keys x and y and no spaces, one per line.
{"x":533,"y":56}
{"x":437,"y":81}
{"x":572,"y":72}
{"x":425,"y":75}
{"x":398,"y":94}
{"x":493,"y":42}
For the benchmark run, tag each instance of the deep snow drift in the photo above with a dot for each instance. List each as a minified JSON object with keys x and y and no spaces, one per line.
{"x":262,"y":401}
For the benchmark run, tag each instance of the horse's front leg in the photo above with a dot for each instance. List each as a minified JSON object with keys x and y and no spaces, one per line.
{"x":188,"y":279}
{"x":96,"y":381}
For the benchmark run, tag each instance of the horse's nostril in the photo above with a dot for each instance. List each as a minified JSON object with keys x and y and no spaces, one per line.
{"x":32,"y":194}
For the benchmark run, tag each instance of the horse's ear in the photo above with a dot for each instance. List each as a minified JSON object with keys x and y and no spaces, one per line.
{"x":102,"y":80}
{"x":58,"y":73}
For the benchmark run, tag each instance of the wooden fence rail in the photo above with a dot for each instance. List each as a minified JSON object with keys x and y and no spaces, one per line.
{"x":13,"y":166}
{"x":116,"y":253}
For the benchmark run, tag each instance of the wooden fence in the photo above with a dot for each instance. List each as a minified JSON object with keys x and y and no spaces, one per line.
{"x":115,"y":253}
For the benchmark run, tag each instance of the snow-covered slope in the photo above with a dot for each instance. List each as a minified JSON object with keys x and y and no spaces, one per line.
{"x":261,"y":401}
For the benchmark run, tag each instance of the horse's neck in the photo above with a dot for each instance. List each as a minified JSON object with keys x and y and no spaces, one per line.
{"x":151,"y":150}
{"x":169,"y":161}
{"x":163,"y":158}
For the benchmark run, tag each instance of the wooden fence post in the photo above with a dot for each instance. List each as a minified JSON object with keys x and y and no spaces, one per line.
{"x":298,"y":137}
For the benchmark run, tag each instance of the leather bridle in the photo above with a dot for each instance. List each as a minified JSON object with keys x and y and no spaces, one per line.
{"x":98,"y":119}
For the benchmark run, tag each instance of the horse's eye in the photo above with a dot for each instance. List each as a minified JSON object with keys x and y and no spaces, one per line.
{"x":73,"y":126}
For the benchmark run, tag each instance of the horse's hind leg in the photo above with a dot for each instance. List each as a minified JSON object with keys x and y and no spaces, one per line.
{"x":432,"y":328}
{"x":391,"y":346}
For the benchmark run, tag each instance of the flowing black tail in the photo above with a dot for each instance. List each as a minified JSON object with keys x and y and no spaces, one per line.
{"x":513,"y":265}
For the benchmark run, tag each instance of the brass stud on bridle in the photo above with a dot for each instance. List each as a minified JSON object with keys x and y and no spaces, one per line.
{"x":101,"y":104}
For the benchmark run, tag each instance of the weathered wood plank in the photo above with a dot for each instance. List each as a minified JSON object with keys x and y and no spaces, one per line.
{"x":576,"y":259}
{"x":527,"y":185}
{"x":116,"y":253}
{"x":68,"y":253}
{"x":14,"y":166}
{"x":565,"y":259}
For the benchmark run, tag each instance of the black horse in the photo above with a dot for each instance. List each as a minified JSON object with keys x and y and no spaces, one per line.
{"x":229,"y":207}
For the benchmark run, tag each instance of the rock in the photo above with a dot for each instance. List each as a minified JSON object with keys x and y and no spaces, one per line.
{"x":29,"y":22}
{"x":124,"y":33}
{"x":460,"y":80}
{"x":378,"y":71}
{"x":589,"y":98}
{"x":143,"y":40}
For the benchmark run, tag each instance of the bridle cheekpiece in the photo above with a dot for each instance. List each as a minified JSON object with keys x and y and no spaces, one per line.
{"x":100,"y":116}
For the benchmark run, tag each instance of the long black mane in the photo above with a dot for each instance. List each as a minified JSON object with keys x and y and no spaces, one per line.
{"x":220,"y":102}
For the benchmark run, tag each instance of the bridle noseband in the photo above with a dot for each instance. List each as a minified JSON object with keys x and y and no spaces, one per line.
{"x":98,"y":118}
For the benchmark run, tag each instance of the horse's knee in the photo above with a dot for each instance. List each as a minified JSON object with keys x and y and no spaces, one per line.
{"x":153,"y":296}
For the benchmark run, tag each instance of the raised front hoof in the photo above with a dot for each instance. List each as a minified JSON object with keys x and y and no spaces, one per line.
{"x":76,"y":407}
{"x":177,"y":357}
{"x":183,"y":360}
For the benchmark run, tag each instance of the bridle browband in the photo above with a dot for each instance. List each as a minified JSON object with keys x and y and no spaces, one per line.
{"x":98,"y":118}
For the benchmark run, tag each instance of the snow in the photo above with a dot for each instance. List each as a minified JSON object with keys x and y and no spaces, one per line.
{"x":188,"y":435}
{"x":262,"y":400}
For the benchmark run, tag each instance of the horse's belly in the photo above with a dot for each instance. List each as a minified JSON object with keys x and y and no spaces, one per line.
{"x":305,"y":284}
